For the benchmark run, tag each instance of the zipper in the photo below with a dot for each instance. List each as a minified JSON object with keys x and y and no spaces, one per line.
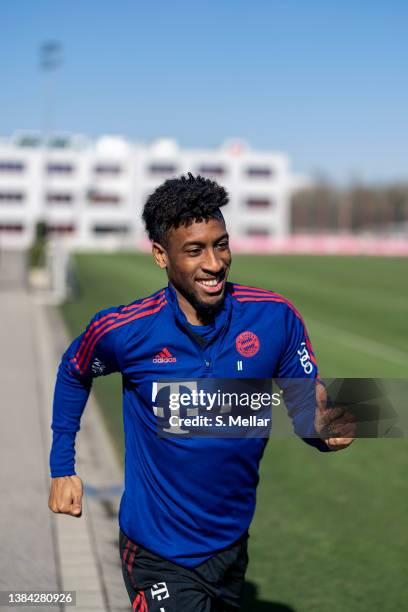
{"x":207,"y":360}
{"x":200,"y":344}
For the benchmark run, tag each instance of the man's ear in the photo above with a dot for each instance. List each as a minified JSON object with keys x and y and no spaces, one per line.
{"x":160,"y":255}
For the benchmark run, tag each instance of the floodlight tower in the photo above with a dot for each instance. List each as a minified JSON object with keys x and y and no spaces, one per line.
{"x":50,"y":60}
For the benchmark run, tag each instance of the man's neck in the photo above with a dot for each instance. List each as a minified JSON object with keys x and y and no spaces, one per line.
{"x":193,"y":315}
{"x":188,"y":309}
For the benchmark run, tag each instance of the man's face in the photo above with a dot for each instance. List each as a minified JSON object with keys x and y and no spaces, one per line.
{"x":198,"y":259}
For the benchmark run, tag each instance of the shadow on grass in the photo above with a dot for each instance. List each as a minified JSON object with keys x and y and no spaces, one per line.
{"x":251,"y":602}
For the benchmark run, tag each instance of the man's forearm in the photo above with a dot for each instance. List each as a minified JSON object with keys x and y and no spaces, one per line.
{"x":70,"y":398}
{"x":62,"y":456}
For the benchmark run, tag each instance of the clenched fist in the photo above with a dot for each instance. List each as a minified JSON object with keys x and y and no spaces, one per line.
{"x":335,"y":425}
{"x":66,"y":495}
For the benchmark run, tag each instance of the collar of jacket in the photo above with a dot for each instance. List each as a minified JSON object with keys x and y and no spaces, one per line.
{"x":221,"y":319}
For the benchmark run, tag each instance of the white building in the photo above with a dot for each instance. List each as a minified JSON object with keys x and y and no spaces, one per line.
{"x":91,"y":194}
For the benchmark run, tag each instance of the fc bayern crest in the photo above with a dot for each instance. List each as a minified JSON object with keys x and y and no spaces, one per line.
{"x":247,"y":344}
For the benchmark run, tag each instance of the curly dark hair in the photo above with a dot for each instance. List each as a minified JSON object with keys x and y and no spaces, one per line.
{"x":181,"y":201}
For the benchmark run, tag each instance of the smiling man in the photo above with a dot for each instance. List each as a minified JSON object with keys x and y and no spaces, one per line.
{"x":188,"y":501}
{"x":190,"y":241}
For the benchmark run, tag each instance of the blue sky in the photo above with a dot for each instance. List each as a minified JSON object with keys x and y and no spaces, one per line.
{"x":324,"y":81}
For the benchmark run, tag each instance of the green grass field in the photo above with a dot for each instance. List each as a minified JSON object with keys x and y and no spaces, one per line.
{"x":330,"y":531}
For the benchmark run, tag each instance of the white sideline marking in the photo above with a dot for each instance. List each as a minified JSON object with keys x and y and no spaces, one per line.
{"x":360,"y":343}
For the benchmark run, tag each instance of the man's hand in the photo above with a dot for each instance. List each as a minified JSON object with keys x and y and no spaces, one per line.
{"x":66,"y":495}
{"x":334,"y":425}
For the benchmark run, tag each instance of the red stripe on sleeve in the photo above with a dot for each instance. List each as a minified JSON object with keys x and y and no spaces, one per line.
{"x":104,"y":319}
{"x":84,"y":350}
{"x":119,"y":324}
{"x":256,"y":289}
{"x":281,"y":299}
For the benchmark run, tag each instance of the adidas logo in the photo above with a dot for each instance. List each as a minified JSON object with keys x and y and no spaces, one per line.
{"x":164,"y":357}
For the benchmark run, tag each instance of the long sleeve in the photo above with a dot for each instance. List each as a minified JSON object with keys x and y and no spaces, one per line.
{"x":297,"y":376}
{"x":94,"y":353}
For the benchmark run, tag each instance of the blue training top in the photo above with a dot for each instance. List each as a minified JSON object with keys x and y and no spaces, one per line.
{"x":185,"y":499}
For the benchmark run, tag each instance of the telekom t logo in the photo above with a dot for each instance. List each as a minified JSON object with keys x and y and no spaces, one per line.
{"x":173,"y":388}
{"x":160,"y":591}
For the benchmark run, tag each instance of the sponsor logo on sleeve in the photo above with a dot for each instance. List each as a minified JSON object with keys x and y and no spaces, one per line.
{"x":97,"y":367}
{"x":304,"y":359}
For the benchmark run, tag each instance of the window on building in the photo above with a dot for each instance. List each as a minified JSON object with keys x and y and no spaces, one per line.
{"x":102,"y":229}
{"x":108,"y":169}
{"x":99,"y":197}
{"x":259,"y":171}
{"x":258,"y":232}
{"x":160,"y":169}
{"x":11,"y":196}
{"x":260,"y":203}
{"x":29,"y":141}
{"x":60,"y":228}
{"x":59,"y":142}
{"x":11,"y":228}
{"x":59,"y":198}
{"x":60,"y":168}
{"x":11,"y":166}
{"x":211,"y":170}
